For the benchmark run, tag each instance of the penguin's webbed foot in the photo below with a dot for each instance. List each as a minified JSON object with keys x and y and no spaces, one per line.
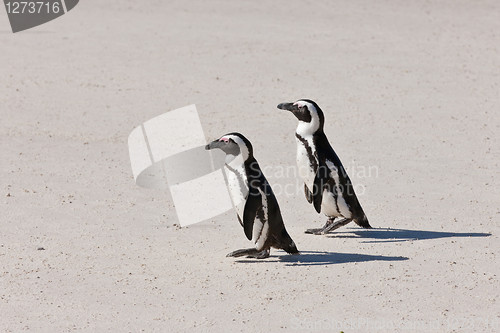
{"x":328,"y":227}
{"x":314,"y":231}
{"x":336,"y":225}
{"x":260,"y":255}
{"x":321,"y":231}
{"x":250,"y":253}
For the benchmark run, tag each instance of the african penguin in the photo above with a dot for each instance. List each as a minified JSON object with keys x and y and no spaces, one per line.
{"x":256,"y":206}
{"x":326,"y":183}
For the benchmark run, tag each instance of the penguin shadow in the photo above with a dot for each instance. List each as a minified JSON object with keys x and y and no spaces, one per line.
{"x":313,"y":258}
{"x":389,"y":235}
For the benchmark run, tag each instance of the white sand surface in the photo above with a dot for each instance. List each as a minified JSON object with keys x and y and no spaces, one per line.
{"x":409,"y":88}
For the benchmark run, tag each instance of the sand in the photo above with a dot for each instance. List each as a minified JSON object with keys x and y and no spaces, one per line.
{"x":410,"y":91}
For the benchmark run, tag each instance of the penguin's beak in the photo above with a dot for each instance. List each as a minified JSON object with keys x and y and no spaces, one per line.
{"x":288,"y":107}
{"x":214,"y":144}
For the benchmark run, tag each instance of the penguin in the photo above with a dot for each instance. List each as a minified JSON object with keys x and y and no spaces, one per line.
{"x":257,"y":209}
{"x":326,"y":183}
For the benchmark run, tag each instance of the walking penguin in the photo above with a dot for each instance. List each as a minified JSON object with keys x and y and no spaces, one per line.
{"x":257,"y":208}
{"x":326,"y":183}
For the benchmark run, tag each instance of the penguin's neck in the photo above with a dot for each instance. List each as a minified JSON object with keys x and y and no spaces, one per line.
{"x":234,"y":161}
{"x":238,"y":160}
{"x":308,"y":129}
{"x":304,"y":129}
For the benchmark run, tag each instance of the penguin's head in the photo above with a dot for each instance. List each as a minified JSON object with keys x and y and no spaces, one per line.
{"x":233,"y":144}
{"x":309,"y":114}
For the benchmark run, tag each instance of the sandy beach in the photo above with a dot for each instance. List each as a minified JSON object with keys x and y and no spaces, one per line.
{"x":411,"y":96}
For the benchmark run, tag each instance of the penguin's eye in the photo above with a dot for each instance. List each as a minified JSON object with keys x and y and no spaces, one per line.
{"x":300,"y":106}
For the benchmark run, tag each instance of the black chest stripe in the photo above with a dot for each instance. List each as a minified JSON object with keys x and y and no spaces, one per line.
{"x":312,"y":161}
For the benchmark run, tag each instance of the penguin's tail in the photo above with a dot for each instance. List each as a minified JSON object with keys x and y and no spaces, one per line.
{"x":291,"y":248}
{"x":363,"y":222}
{"x":288,"y":244}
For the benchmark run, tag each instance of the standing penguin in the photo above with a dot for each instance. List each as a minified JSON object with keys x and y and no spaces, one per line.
{"x":257,"y":208}
{"x":326,"y":183}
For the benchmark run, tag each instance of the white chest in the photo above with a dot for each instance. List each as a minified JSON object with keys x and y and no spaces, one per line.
{"x":238,"y":186}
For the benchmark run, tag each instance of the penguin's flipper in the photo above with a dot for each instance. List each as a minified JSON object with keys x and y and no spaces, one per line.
{"x":308,"y":194}
{"x":253,"y":203}
{"x":320,"y":181}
